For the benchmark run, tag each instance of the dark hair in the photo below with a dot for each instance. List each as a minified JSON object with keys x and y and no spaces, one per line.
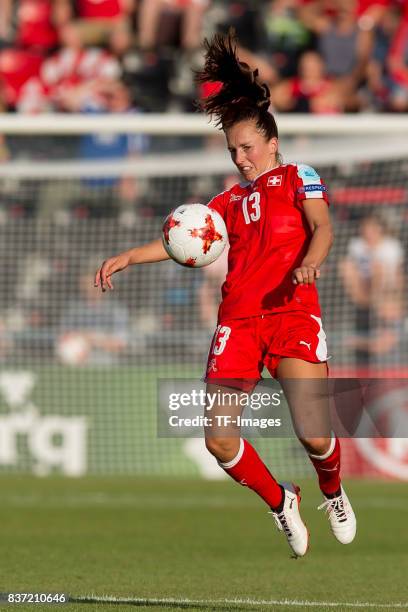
{"x":242,"y":95}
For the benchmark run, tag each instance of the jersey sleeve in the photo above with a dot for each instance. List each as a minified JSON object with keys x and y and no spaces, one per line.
{"x":309,"y":185}
{"x":219,"y":203}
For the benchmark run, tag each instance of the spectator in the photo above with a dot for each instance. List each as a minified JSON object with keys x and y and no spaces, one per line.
{"x":70,"y":72}
{"x":17,"y":68}
{"x":173,"y":23}
{"x":244,"y":16}
{"x":111,"y":192}
{"x":147,"y":73}
{"x":286,"y":37}
{"x":120,"y":39}
{"x":95,"y":17}
{"x":378,"y":87}
{"x":372,"y":273}
{"x":93,"y":330}
{"x":115,"y":98}
{"x":5,"y":22}
{"x":343,"y":45}
{"x":310,"y":91}
{"x":35,"y":26}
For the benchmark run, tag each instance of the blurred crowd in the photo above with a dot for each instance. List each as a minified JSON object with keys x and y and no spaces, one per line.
{"x":318,"y":56}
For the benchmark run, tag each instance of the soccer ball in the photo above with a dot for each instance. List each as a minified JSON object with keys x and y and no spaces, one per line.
{"x":194,"y":235}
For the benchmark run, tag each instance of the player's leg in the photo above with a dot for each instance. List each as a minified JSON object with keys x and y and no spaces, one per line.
{"x":306,"y":390}
{"x":235,"y":362}
{"x":235,"y":455}
{"x":240,"y":460}
{"x":233,"y":369}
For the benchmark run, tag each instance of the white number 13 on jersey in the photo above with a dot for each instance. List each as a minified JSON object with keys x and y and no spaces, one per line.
{"x":255,"y":210}
{"x":222,"y":333}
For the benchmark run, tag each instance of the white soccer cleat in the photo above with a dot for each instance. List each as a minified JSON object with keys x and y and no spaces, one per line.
{"x":341,"y":517}
{"x":289,"y":520}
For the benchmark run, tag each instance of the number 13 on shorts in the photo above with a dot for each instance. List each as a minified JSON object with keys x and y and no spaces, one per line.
{"x":222,"y":333}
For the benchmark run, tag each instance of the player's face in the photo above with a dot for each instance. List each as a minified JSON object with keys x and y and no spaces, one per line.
{"x":250,"y":151}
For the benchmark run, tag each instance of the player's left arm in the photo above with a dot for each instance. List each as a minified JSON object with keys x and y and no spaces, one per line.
{"x":318,"y":218}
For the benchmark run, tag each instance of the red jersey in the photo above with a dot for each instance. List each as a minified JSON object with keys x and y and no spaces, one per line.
{"x":99,"y":9}
{"x":17,"y":67}
{"x":364,"y":6}
{"x":269,"y":236}
{"x":35,"y":28}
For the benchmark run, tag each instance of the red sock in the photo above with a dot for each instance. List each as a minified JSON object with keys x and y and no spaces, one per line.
{"x":249,"y":470}
{"x":328,"y":468}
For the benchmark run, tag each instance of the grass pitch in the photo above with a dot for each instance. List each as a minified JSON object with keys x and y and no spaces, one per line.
{"x":202,"y":545}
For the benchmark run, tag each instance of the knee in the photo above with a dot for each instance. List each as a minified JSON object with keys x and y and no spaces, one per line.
{"x":316,"y":446}
{"x":223,"y":449}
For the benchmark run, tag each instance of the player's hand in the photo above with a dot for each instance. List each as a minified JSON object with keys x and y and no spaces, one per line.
{"x":103,"y":276}
{"x":305,"y":275}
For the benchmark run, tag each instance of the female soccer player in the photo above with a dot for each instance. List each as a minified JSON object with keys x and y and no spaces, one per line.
{"x":280,"y":233}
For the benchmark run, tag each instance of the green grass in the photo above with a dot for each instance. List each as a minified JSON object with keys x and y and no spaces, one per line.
{"x":190,"y":539}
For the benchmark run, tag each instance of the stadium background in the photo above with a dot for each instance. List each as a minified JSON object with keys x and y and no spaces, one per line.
{"x":99,"y":138}
{"x":78,"y":381}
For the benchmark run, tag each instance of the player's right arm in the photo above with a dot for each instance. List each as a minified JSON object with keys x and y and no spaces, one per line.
{"x":147,"y":253}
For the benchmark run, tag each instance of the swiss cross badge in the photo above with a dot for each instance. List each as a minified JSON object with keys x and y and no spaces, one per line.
{"x":274,"y":181}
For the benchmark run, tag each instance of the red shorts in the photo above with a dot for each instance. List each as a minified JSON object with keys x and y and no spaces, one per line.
{"x":242,"y":347}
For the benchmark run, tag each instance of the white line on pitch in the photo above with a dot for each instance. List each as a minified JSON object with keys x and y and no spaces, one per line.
{"x":249,"y":602}
{"x":139,"y":501}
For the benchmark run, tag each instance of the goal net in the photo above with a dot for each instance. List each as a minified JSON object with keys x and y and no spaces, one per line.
{"x":79,"y":369}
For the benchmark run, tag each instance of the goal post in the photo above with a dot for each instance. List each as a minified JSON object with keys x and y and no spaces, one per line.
{"x":79,"y":370}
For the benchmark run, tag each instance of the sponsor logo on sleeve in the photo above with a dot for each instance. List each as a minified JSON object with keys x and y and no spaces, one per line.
{"x":274,"y":181}
{"x":306,"y":188}
{"x":307,"y":172}
{"x":235,"y":197}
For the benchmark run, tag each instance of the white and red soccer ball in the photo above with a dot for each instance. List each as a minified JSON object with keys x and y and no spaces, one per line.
{"x":194,"y":235}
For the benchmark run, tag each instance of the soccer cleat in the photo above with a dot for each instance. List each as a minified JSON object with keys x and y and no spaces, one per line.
{"x":290,"y":522}
{"x":341,"y":516}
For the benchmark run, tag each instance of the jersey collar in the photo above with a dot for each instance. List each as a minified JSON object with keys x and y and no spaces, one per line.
{"x":248,"y":183}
